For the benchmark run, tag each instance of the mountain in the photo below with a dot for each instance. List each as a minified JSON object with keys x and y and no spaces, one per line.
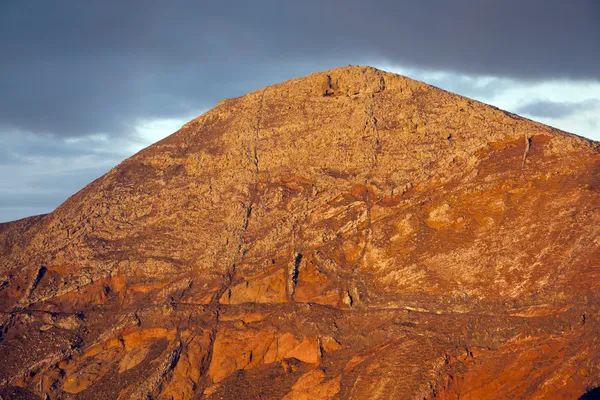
{"x":352,"y":234}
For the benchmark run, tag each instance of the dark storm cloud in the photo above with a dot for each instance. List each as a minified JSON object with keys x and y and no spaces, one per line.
{"x":73,"y":68}
{"x":552,"y":109}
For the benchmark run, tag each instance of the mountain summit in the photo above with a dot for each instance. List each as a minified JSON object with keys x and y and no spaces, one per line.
{"x":352,"y":234}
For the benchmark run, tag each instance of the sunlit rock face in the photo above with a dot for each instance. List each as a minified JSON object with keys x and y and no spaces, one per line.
{"x":352,"y":234}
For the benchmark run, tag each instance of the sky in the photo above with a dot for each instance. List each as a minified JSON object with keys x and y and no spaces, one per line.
{"x":86,"y":84}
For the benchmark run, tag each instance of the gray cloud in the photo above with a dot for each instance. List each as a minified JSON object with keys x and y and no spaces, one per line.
{"x":40,"y":192}
{"x":40,"y":172}
{"x":73,"y":69}
{"x":553,"y":109}
{"x":30,"y":200}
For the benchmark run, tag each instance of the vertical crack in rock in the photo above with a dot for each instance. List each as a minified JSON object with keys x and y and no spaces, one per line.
{"x":382,"y":84}
{"x":526,"y":152}
{"x":292,"y":276}
{"x":297,"y":219}
{"x":347,"y":298}
{"x":329,"y":91}
{"x":255,"y":159}
{"x":239,"y":251}
{"x":370,"y":127}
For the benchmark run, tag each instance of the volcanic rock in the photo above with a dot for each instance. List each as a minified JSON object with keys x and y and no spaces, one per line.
{"x":353,"y":234}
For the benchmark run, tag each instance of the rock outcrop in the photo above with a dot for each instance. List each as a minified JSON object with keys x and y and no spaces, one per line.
{"x":351,"y":234}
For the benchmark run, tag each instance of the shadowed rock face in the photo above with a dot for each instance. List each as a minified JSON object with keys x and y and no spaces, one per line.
{"x":347,"y":235}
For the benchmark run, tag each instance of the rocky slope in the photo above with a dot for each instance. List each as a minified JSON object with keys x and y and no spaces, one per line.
{"x":351,"y":234}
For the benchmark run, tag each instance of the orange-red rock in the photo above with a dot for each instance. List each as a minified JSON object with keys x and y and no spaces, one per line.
{"x":351,"y":234}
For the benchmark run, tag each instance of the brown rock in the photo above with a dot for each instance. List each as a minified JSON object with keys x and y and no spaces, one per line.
{"x":350,"y":234}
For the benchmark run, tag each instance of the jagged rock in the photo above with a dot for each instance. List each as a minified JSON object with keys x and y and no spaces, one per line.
{"x":349,"y":234}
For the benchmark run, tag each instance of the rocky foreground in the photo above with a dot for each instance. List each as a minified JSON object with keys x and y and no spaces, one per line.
{"x":352,"y":234}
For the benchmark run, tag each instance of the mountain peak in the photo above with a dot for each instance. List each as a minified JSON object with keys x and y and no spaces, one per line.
{"x":349,"y":234}
{"x":348,"y":81}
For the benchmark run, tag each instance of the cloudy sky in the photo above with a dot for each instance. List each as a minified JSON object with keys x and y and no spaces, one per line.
{"x":85,"y":84}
